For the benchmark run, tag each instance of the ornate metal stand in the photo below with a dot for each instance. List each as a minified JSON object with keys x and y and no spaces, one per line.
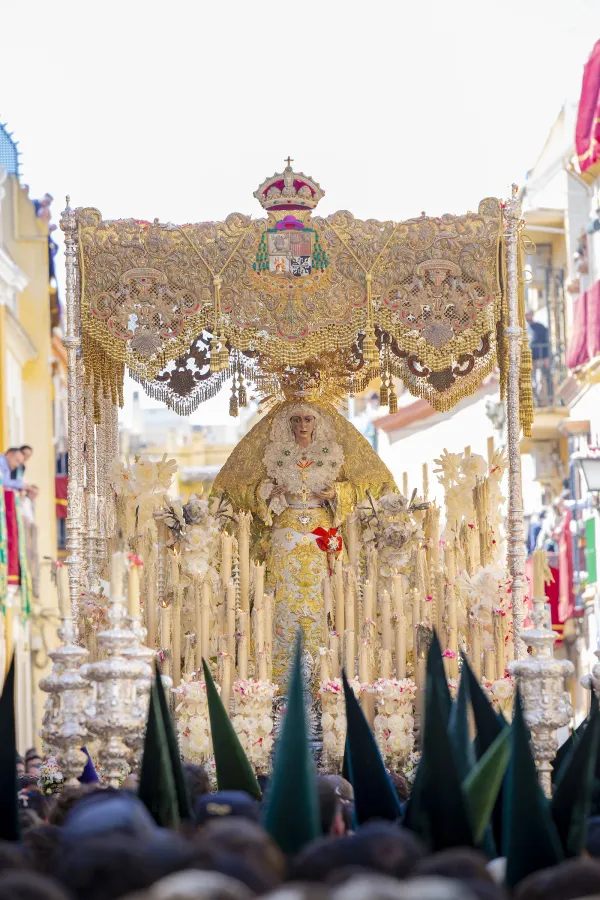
{"x":117,"y":716}
{"x":546,"y":704}
{"x":140,"y":653}
{"x":64,"y":726}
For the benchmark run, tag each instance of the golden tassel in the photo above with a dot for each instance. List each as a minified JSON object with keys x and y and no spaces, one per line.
{"x":383,"y":390}
{"x":223,"y":354}
{"x":393,"y":401}
{"x":233,"y":401}
{"x":242,"y":393}
{"x":215,"y":355}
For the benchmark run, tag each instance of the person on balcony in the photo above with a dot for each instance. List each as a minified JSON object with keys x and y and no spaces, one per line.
{"x":539,"y":341}
{"x":10,"y":463}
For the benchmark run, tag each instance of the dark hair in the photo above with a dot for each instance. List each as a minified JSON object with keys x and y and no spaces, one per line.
{"x":11,"y":856}
{"x":197,"y":780}
{"x":566,"y":881}
{"x":30,"y":886}
{"x":592,"y":844}
{"x":40,"y":846}
{"x":12,"y":450}
{"x":329,"y":804}
{"x":244,"y":840}
{"x":378,"y":846}
{"x":459,"y":863}
{"x":65,"y":800}
{"x":25,"y":447}
{"x":32,"y":753}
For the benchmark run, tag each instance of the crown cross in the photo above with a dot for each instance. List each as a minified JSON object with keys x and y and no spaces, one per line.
{"x":289,"y":160}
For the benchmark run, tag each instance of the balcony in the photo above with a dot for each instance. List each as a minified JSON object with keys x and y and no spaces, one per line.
{"x":548,"y":343}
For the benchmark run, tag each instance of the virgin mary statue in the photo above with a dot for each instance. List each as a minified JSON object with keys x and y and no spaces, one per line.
{"x":300,"y":472}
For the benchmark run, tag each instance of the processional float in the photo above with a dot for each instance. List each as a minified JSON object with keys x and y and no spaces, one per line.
{"x":305,"y":310}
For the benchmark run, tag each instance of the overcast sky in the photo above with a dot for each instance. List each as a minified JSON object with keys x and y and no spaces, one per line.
{"x":178,"y":109}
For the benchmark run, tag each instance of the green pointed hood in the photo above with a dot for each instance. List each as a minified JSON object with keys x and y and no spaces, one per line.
{"x":459,"y":732}
{"x":9,"y":807}
{"x":483,"y":783}
{"x":488,"y":724}
{"x":157,"y":788}
{"x":575,"y":736}
{"x":184,"y":802}
{"x":437,"y":673}
{"x":572,"y":798}
{"x":374,"y":793}
{"x":234,"y":772}
{"x":292,"y":810}
{"x":530,"y":838}
{"x":437,"y":810}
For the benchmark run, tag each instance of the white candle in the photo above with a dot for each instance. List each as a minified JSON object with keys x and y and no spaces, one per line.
{"x":243,"y":646}
{"x":206,"y":596}
{"x":386,"y":623}
{"x":226,"y":555}
{"x":117,"y":572}
{"x":62,"y":587}
{"x":350,"y":653}
{"x":452,"y":630}
{"x":244,"y":559}
{"x":325,"y":667}
{"x":230,"y":618}
{"x":368,"y":602}
{"x":416,"y":604}
{"x":150,"y":604}
{"x":398,"y":594}
{"x":259,"y":583}
{"x":226,"y":678}
{"x":421,"y":670}
{"x":499,"y":644}
{"x":352,"y":532}
{"x":539,"y":574}
{"x":165,"y":636}
{"x":489,"y":663}
{"x":363,"y":663}
{"x":386,"y":664}
{"x":476,"y":651}
{"x":400,"y":627}
{"x":338,"y":586}
{"x":405,"y":484}
{"x":176,"y":639}
{"x":133,"y":589}
{"x":328,"y":620}
{"x":334,"y":643}
{"x":268,"y":607}
{"x":198,"y":623}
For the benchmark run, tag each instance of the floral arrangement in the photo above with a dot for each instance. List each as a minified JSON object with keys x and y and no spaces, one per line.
{"x":253,"y":720}
{"x":94,"y":609}
{"x":501,"y":694}
{"x":497,"y":469}
{"x":333,"y":720}
{"x":485,"y":592}
{"x":51,"y":780}
{"x":458,"y":474}
{"x":140,"y":488}
{"x":193,"y":721}
{"x":409,"y":770}
{"x":194,"y":532}
{"x":393,"y":526}
{"x":394,"y":721}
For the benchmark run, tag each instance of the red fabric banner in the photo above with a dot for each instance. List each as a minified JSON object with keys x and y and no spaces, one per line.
{"x":552,"y":597}
{"x":12,"y":538}
{"x":584,"y":344}
{"x":60,"y":489}
{"x":587,"y":129}
{"x":566,"y":599}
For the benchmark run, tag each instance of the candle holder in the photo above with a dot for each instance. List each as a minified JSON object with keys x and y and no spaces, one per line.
{"x":116,"y":716}
{"x":64,"y":728}
{"x":541,"y":680}
{"x":138,"y":651}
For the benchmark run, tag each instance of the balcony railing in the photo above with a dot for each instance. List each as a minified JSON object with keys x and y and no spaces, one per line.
{"x":549,"y":355}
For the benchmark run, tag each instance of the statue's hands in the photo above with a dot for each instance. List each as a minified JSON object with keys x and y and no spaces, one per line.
{"x":327,"y":494}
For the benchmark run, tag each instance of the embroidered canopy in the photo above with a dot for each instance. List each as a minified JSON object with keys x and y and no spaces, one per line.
{"x":186,"y":307}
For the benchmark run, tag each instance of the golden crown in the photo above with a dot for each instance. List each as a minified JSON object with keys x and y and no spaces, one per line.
{"x":289,"y":190}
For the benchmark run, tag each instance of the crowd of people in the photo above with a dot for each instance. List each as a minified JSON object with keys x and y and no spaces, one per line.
{"x":165,"y":835}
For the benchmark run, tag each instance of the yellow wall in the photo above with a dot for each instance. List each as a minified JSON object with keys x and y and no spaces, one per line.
{"x":26,"y":240}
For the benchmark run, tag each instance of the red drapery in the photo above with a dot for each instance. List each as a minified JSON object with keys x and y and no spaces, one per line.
{"x":566,"y":599}
{"x":587,"y":130}
{"x":60,"y":490}
{"x":12,"y":538}
{"x":552,"y":597}
{"x":584,"y":344}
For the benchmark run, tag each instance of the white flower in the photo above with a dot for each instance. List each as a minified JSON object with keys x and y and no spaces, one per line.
{"x":329,"y":741}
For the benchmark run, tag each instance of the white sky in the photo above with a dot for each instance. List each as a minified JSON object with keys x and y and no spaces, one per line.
{"x":179,"y":109}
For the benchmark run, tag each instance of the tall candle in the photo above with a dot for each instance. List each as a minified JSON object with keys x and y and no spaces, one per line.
{"x":133,"y":589}
{"x":268,"y":607}
{"x":350,"y":664}
{"x":367,"y":603}
{"x":489,"y":663}
{"x":150,"y":603}
{"x":416,"y":605}
{"x":243,"y":646}
{"x":165,"y":636}
{"x":334,"y":645}
{"x":363,"y":663}
{"x":386,"y":623}
{"x":176,"y":638}
{"x":476,"y":650}
{"x":405,"y":484}
{"x":226,"y":555}
{"x":499,"y":646}
{"x":490,"y":450}
{"x":421,"y":675}
{"x":260,"y":644}
{"x":398,"y":594}
{"x":352,"y":535}
{"x":328,"y":618}
{"x":226,"y":677}
{"x":206,"y":595}
{"x":540,"y":563}
{"x":325,"y":677}
{"x":198,"y":624}
{"x":259,"y":583}
{"x":338,"y":587}
{"x":400,"y":630}
{"x":230,"y":618}
{"x":117,"y":573}
{"x":244,"y":558}
{"x":425,"y":481}
{"x":452,"y":630}
{"x":62,"y":587}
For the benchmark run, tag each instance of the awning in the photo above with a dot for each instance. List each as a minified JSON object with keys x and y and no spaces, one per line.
{"x":584,"y":344}
{"x":587,"y":130}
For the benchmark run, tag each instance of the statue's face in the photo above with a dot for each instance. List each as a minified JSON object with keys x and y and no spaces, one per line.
{"x":303,"y":427}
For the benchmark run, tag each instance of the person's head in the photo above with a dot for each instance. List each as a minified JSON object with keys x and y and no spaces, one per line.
{"x":197,"y":885}
{"x":33,"y":766}
{"x":64,"y":801}
{"x":32,"y":799}
{"x":226,"y":805}
{"x":30,"y":886}
{"x":40,"y":845}
{"x":460,"y":863}
{"x":570,"y":880}
{"x":592,"y":844}
{"x":529,"y":316}
{"x":26,"y":450}
{"x":244,"y":840}
{"x":345,"y":792}
{"x":330,"y":808}
{"x":378,"y":847}
{"x":15,"y":458}
{"x":106,"y":812}
{"x":198,"y":781}
{"x":20,"y":766}
{"x":11,"y":857}
{"x":400,"y":786}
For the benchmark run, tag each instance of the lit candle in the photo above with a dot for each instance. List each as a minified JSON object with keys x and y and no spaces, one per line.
{"x":206,"y":596}
{"x":133,"y":589}
{"x":165,"y":636}
{"x":226,"y":555}
{"x":421,"y":673}
{"x":400,"y":628}
{"x":244,"y":558}
{"x":338,"y":587}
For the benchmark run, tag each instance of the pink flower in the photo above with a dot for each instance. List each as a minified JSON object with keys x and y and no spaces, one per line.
{"x":429,"y":597}
{"x":449,"y":654}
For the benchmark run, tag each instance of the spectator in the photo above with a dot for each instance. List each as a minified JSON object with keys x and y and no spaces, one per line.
{"x":20,"y":766}
{"x":538,"y":337}
{"x":10,"y":463}
{"x":27,"y":452}
{"x":330,"y":806}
